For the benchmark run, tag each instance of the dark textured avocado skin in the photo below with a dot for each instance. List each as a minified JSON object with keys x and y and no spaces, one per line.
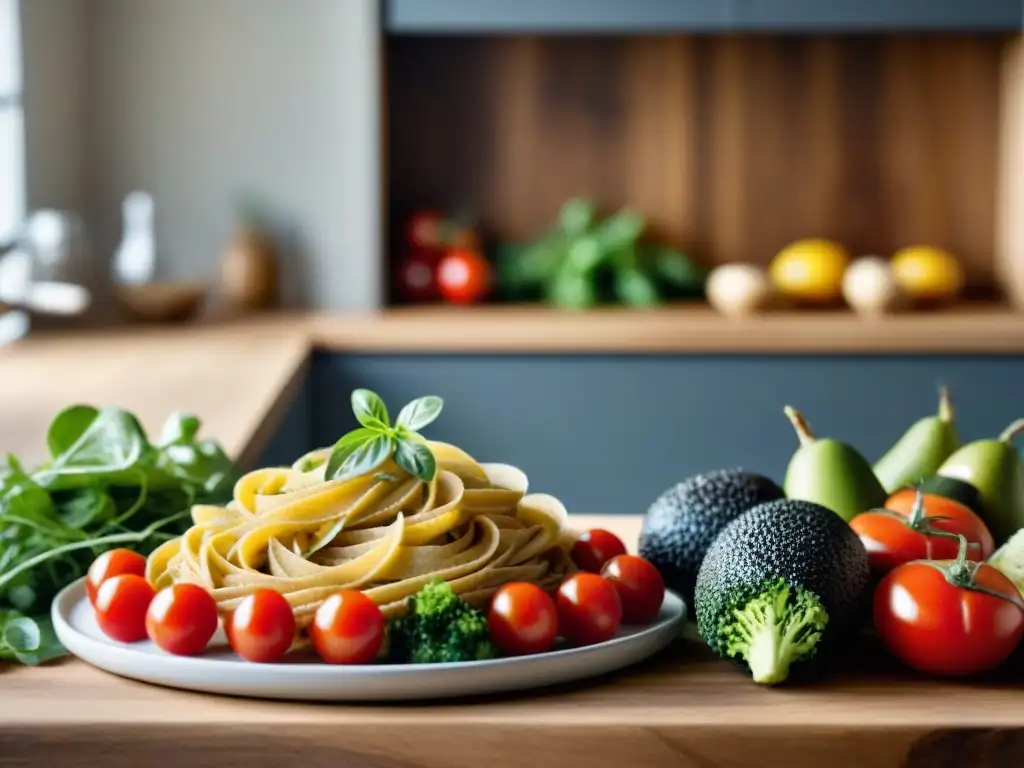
{"x":681,"y":524}
{"x":804,"y":543}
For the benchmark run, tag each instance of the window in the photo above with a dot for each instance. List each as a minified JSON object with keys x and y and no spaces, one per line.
{"x":12,"y":124}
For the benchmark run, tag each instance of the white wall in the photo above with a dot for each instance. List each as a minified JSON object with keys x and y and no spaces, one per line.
{"x":54,"y":65}
{"x":200,"y":100}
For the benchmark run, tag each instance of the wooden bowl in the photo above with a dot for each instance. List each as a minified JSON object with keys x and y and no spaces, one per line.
{"x":162,"y":302}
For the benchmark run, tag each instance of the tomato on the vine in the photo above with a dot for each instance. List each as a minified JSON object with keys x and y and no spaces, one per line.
{"x":113,"y":562}
{"x":594,"y":548}
{"x":589,"y":609}
{"x":916,"y":526}
{"x":262,"y":627}
{"x":181,"y":619}
{"x":522,"y":619}
{"x":464,"y":276}
{"x":423,"y":229}
{"x":121,"y":605}
{"x":640,"y":586}
{"x":952,"y":618}
{"x":348,"y":628}
{"x":417,"y":277}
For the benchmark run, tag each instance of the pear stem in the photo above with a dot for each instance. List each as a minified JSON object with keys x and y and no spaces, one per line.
{"x":1012,"y":432}
{"x":946,"y":411}
{"x":800,"y":425}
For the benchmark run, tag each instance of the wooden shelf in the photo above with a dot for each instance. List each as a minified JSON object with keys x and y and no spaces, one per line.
{"x":544,"y":16}
{"x":692,"y":328}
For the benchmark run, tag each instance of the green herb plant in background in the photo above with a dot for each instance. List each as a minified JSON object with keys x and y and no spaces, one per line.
{"x":105,"y":485}
{"x":365,"y":449}
{"x":586,"y":260}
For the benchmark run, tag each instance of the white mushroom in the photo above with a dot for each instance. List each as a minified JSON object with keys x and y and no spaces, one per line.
{"x":738,"y":289}
{"x":869,"y":286}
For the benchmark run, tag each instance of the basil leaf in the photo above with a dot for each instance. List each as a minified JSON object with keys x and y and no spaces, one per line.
{"x":420,"y":412}
{"x":572,"y":290}
{"x":622,"y":229}
{"x":345,"y":446}
{"x":635,"y":288}
{"x":359,"y":457}
{"x":585,"y":254}
{"x":677,"y":269}
{"x":369,"y":409}
{"x":21,"y":634}
{"x":576,"y":216}
{"x":416,"y":458}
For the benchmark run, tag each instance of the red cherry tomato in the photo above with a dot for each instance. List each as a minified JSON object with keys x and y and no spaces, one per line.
{"x":898,"y":536}
{"x":262,"y":627}
{"x":595,"y":548}
{"x":113,"y":562}
{"x":589,"y":609}
{"x":424,"y":229}
{"x":464,"y":277}
{"x":121,"y":604}
{"x":417,"y":277}
{"x":348,"y":628}
{"x":936,"y":627}
{"x":640,"y":586}
{"x":523,"y":619}
{"x":181,"y":619}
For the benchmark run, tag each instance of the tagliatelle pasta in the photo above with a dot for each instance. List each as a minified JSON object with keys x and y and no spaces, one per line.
{"x":387,"y":533}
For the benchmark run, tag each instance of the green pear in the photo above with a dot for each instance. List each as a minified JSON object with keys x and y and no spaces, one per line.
{"x":922,"y":449}
{"x":994,"y":467}
{"x":830,"y":473}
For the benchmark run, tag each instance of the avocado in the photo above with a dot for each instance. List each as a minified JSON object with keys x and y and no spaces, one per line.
{"x":681,"y":523}
{"x":957,"y":490}
{"x":779,"y":584}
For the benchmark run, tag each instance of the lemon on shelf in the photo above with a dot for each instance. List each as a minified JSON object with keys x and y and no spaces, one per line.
{"x":926,"y":273}
{"x":810,"y":271}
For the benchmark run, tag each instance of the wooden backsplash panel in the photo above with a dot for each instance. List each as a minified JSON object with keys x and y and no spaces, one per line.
{"x":732,"y":146}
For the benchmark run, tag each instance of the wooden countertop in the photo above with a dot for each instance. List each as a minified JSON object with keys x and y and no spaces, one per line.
{"x":680,"y":709}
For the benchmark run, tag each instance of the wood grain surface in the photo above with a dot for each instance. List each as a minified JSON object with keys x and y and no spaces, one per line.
{"x":732,"y":146}
{"x":681,"y":708}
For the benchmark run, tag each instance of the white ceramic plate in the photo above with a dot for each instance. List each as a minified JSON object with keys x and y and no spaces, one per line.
{"x":304,"y":678}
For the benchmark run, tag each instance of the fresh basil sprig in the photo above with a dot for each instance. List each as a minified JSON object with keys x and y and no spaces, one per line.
{"x":364,"y":449}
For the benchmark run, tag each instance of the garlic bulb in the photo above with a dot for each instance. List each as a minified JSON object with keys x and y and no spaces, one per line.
{"x":869,"y":286}
{"x":738,"y":289}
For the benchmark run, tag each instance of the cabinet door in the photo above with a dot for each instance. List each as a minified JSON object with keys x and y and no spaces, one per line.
{"x":608,"y":434}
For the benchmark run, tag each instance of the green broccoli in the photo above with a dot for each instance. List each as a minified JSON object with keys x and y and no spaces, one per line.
{"x":773,"y":629}
{"x":439,"y":627}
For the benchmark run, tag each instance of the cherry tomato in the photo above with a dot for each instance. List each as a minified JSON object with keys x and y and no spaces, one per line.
{"x":417,"y":277}
{"x":424,"y":229}
{"x":640,"y":586}
{"x":348,"y":628}
{"x":181,"y":619}
{"x":121,"y":604}
{"x":939,"y":628}
{"x":898,"y":536}
{"x":523,"y":619}
{"x":113,"y":562}
{"x":464,"y":277}
{"x":262,"y":627}
{"x":589,"y":609}
{"x":595,"y":548}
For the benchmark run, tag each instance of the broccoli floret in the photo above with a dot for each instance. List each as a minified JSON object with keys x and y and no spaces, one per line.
{"x":439,"y":627}
{"x":774,"y":628}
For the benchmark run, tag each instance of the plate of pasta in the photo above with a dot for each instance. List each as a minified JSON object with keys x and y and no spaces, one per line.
{"x":386,"y":567}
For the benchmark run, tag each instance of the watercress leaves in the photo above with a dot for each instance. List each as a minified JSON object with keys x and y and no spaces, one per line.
{"x":368,"y":447}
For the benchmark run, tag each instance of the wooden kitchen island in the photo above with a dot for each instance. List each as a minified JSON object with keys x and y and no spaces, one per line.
{"x":682,"y":708}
